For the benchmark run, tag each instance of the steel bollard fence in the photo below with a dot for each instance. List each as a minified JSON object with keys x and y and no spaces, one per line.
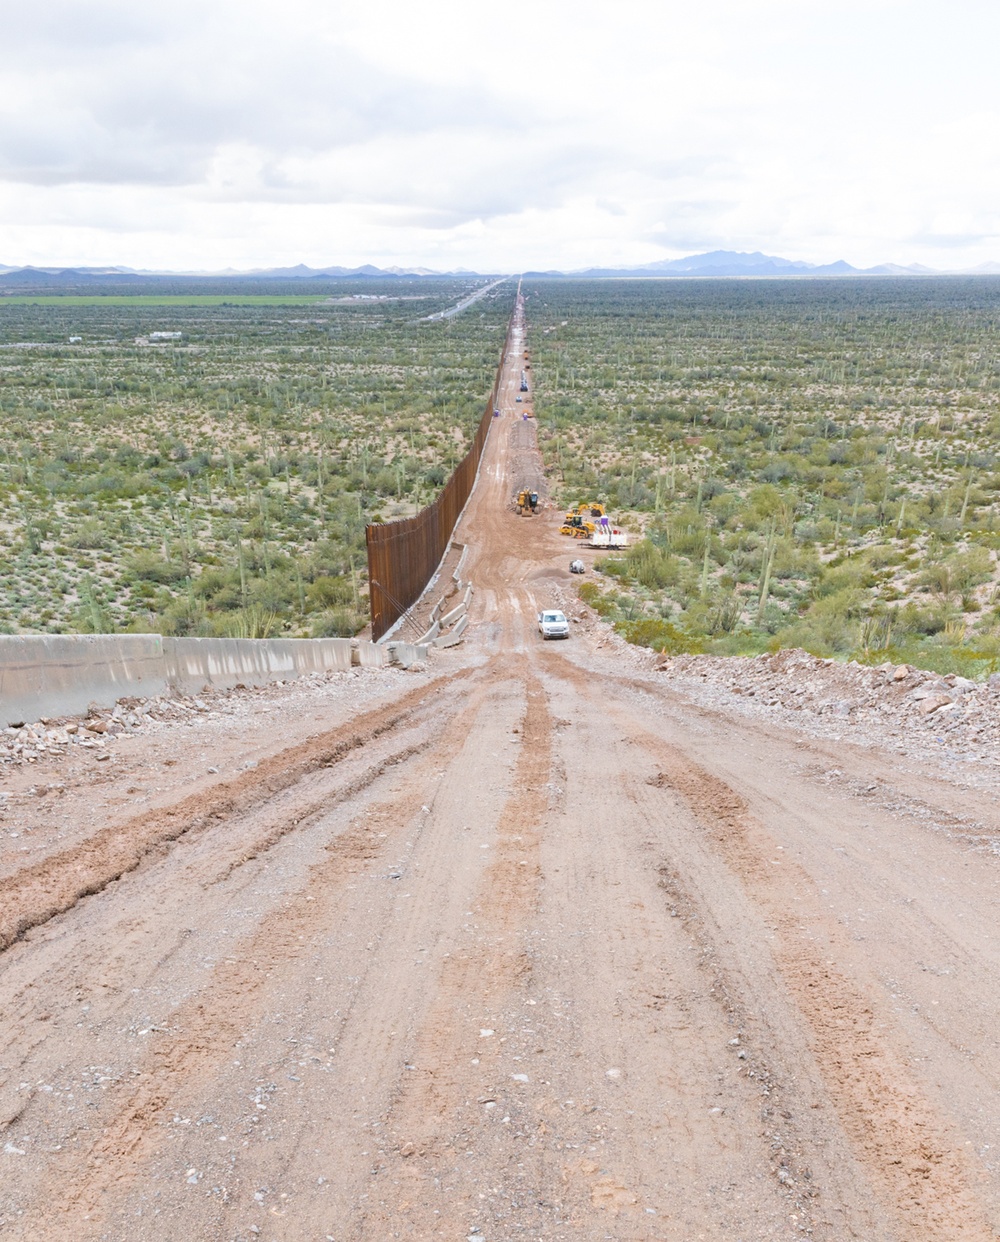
{"x":403,"y":555}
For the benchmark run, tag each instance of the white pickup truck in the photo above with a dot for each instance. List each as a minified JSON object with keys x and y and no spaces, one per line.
{"x":553,"y":624}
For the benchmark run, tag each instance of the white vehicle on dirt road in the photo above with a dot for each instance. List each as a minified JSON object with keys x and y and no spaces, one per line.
{"x":553,"y":624}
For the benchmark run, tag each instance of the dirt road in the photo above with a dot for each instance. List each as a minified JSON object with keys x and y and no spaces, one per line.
{"x":524,"y":946}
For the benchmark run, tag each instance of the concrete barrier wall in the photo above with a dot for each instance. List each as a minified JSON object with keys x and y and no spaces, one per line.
{"x":433,"y":632}
{"x":226,"y":662}
{"x":455,"y":615}
{"x":63,"y":674}
{"x":454,"y":635}
{"x":407,"y":654}
{"x":369,"y":655}
{"x":451,"y":617}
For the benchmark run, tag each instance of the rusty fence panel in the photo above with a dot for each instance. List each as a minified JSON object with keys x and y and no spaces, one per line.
{"x":403,"y":555}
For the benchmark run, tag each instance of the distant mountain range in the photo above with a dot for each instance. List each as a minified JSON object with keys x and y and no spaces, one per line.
{"x":301,"y":271}
{"x":716,"y":263}
{"x":737,"y":263}
{"x":62,"y":275}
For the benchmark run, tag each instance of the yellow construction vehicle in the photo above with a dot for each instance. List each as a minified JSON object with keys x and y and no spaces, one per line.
{"x":578,"y":527}
{"x":578,"y":522}
{"x":591,"y":508}
{"x":527,"y":502}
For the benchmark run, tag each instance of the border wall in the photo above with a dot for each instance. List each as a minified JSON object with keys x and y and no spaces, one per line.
{"x":66,"y":674}
{"x":403,"y":556}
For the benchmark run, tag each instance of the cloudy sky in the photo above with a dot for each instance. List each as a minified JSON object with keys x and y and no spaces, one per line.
{"x":209,"y":134}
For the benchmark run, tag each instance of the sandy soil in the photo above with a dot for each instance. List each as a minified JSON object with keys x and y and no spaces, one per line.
{"x":535,"y":943}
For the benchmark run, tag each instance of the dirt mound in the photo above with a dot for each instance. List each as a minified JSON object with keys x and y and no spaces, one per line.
{"x":891,"y":705}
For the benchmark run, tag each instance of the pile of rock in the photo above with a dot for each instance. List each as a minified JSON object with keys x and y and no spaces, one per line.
{"x":27,"y":743}
{"x":894,"y":701}
{"x":52,"y":738}
{"x":49,"y":737}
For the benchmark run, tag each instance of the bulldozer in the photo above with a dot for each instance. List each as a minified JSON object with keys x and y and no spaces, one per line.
{"x":578,"y":527}
{"x":527,"y":502}
{"x":578,"y":522}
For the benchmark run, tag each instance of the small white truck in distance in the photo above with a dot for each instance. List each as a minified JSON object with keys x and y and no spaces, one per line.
{"x":552,"y":624}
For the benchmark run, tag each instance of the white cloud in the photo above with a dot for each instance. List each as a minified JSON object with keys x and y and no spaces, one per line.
{"x":553,"y":134}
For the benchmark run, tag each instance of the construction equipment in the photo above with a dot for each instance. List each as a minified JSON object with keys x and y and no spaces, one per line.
{"x":524,"y":381}
{"x":527,"y":502}
{"x":577,"y":527}
{"x":590,"y":508}
{"x":579,"y":522}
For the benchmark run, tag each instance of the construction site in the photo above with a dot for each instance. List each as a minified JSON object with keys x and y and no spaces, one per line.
{"x":561,"y":941}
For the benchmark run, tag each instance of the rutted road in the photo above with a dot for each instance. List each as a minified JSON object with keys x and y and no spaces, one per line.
{"x":531,"y":947}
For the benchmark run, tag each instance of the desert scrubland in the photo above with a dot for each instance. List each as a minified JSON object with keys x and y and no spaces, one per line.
{"x":803,"y":463}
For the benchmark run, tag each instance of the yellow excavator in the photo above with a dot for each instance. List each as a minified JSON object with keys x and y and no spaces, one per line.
{"x":527,"y":502}
{"x":578,"y":522}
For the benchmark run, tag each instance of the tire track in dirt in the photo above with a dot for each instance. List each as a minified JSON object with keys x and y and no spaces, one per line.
{"x":809,"y":1154}
{"x":39,"y":892}
{"x":710,"y":1124}
{"x":911,"y":1152}
{"x":203,"y":1032}
{"x":259,"y":834}
{"x":433,"y":1122}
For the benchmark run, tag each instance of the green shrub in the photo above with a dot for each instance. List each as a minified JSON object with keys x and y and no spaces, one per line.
{"x":661,"y":636}
{"x":148,"y":567}
{"x":970,"y":569}
{"x":327,"y":592}
{"x":91,"y":534}
{"x":649,"y":565}
{"x":254,"y":621}
{"x":185,"y":618}
{"x":337,"y":623}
